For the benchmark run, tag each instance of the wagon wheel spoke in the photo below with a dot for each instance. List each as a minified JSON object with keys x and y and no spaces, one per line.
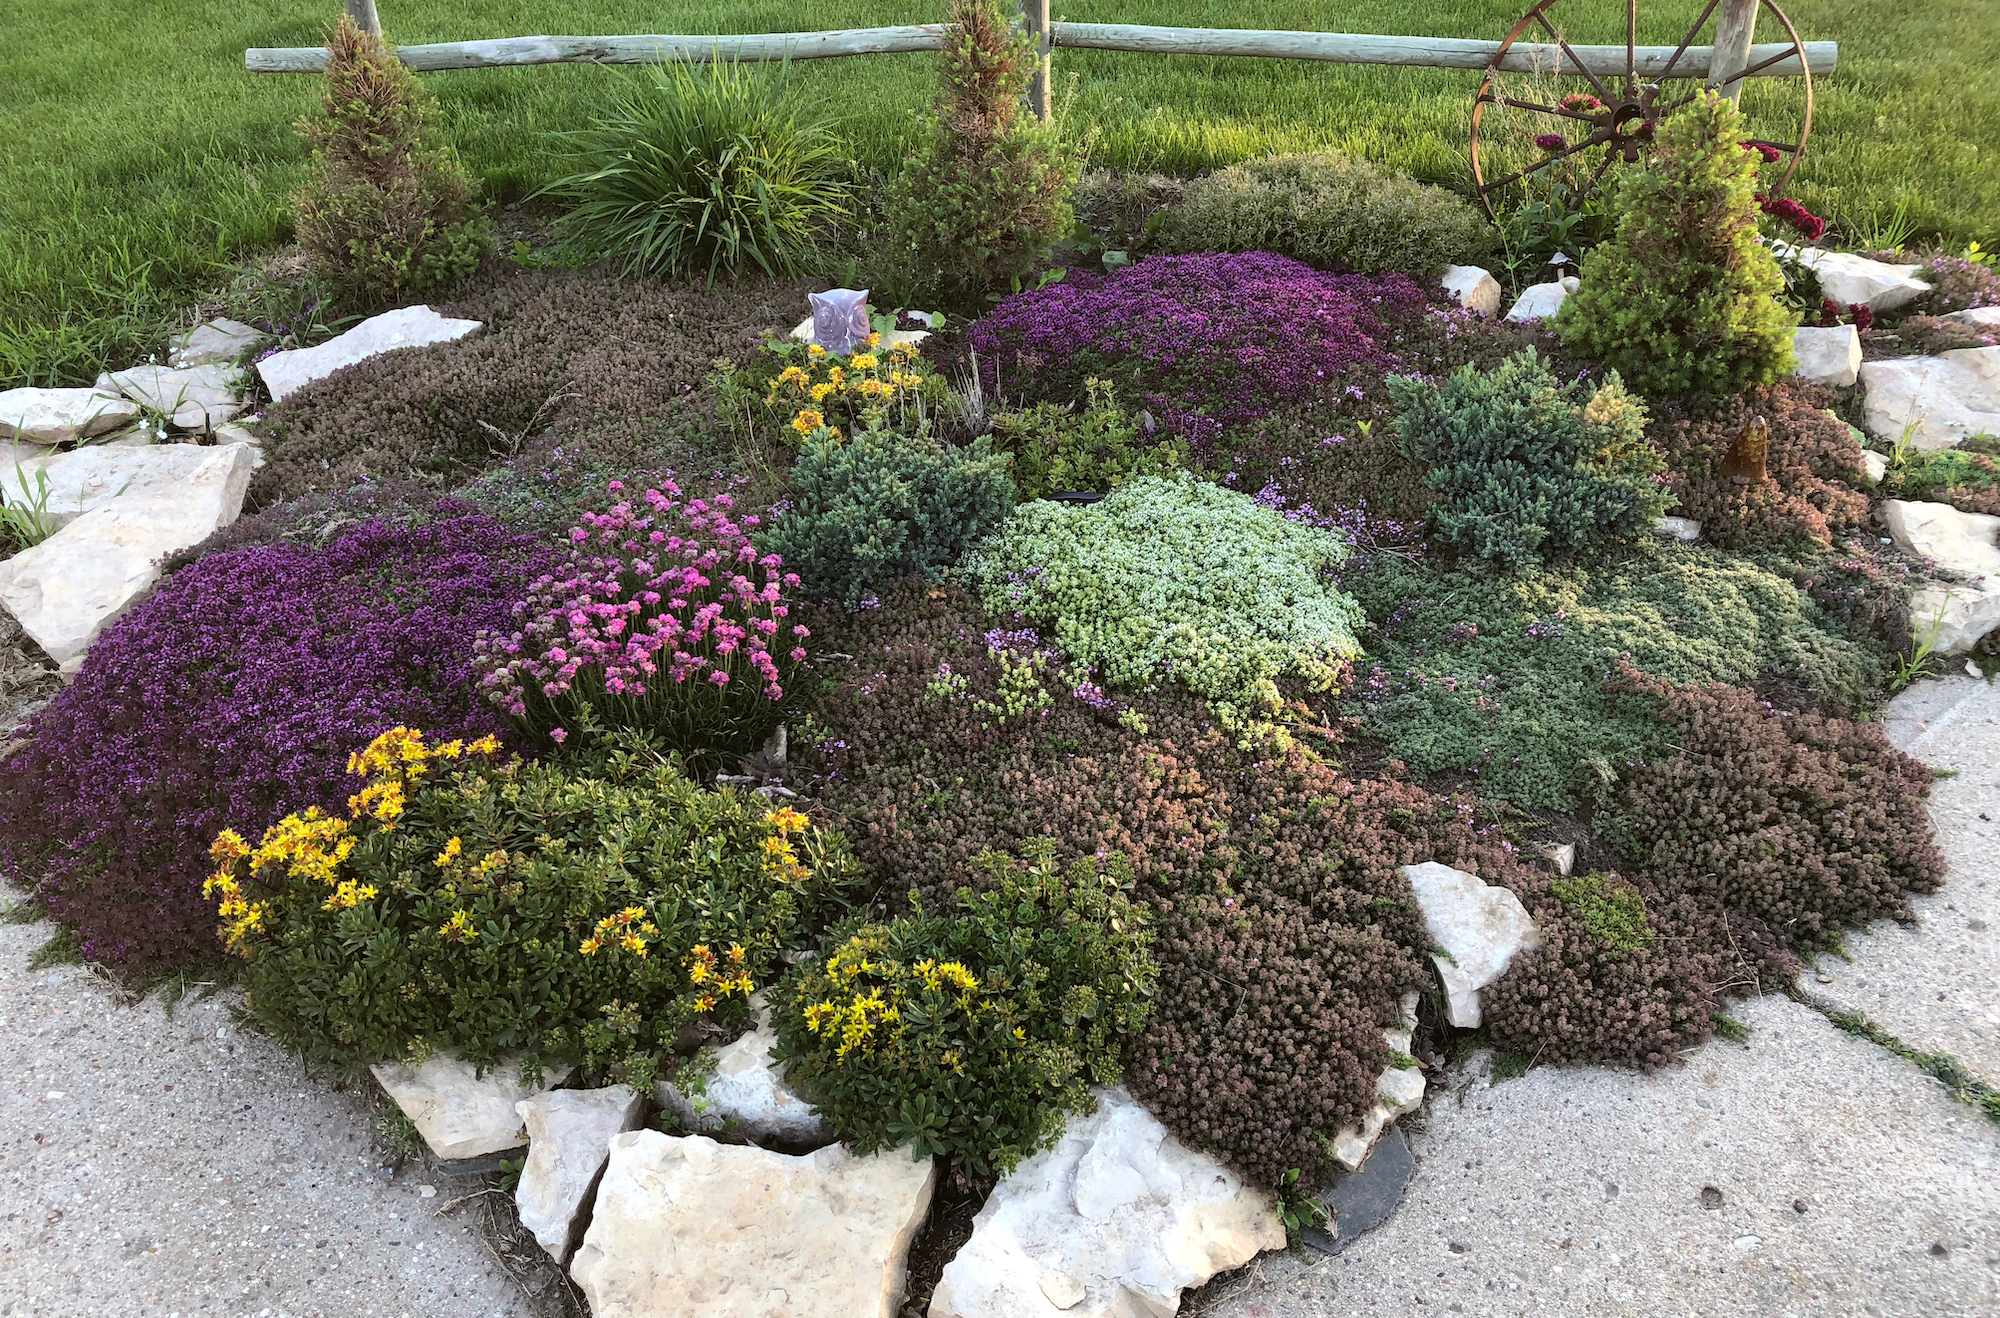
{"x":1543,"y":163}
{"x":1688,"y":40}
{"x":1759,"y":66}
{"x":1602,"y":91}
{"x":1497,"y":99}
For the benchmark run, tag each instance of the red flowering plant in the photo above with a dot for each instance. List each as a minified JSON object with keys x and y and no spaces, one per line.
{"x":663,"y":619}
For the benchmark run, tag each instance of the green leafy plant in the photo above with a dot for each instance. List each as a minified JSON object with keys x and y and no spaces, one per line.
{"x":1330,"y":209}
{"x":1525,"y":467}
{"x":1561,"y":220}
{"x":1684,"y":299}
{"x":973,"y":1036}
{"x":986,"y":198}
{"x":1963,"y":477}
{"x":880,"y":505}
{"x":484,"y":905}
{"x":1174,"y":579}
{"x":705,"y":169}
{"x":1613,"y":912}
{"x":385,"y":212}
{"x":25,"y":520}
{"x":1060,"y":448}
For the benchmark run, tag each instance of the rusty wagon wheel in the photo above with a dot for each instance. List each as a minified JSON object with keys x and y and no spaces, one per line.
{"x":1583,"y":133}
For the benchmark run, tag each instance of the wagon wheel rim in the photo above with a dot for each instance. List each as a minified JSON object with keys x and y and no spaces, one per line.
{"x":1643,"y":104}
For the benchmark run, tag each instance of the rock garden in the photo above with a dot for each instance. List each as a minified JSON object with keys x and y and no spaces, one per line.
{"x":975,"y":743}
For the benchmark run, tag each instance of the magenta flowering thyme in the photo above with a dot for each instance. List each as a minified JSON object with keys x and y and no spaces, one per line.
{"x":1202,"y":342}
{"x":663,"y":618}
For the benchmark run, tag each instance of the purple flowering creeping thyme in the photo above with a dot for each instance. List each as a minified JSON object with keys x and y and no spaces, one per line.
{"x":1205,"y":341}
{"x":234,"y":694}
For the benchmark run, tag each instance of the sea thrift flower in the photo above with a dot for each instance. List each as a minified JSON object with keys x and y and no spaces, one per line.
{"x":663,"y":616}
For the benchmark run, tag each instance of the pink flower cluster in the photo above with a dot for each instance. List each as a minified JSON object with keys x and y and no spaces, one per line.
{"x":659,"y":597}
{"x":1810,"y":226}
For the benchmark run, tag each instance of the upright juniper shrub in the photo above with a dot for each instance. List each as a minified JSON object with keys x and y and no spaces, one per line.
{"x":233,"y":694}
{"x":1684,"y":299}
{"x":987,"y":196}
{"x":386,"y":212}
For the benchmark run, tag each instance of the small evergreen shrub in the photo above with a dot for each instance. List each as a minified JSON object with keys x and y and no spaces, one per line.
{"x":881,"y":506}
{"x":469,"y":902}
{"x":1331,"y":210}
{"x":1505,"y":678}
{"x":704,"y":169}
{"x":974,"y":1036}
{"x":985,"y":199}
{"x":1683,"y":299}
{"x":1205,"y":343}
{"x":1526,"y":468}
{"x":1091,"y":448}
{"x":1174,"y":579}
{"x":1811,"y":456}
{"x":663,"y":619}
{"x":236,"y":692}
{"x":385,"y":212}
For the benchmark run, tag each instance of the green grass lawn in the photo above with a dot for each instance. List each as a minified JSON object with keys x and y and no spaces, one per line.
{"x":137,"y":157}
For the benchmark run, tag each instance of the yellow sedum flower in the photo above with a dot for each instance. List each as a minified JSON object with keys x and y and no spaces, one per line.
{"x":808,"y":421}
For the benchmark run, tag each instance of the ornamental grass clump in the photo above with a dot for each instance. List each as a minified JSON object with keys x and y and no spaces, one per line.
{"x":974,"y":1036}
{"x":715,"y":169}
{"x":1202,"y":342}
{"x":234,"y":693}
{"x":386,"y":212}
{"x":879,"y":506}
{"x":1174,"y":580}
{"x":663,"y":619}
{"x":1526,"y":468}
{"x":464,"y":900}
{"x":1684,"y":300}
{"x":1333,"y":210}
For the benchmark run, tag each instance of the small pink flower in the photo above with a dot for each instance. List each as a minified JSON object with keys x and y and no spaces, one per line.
{"x":558,"y":736}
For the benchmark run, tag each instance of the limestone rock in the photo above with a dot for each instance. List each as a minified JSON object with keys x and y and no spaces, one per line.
{"x":685,"y":1227}
{"x":1539,"y":301}
{"x":1986,"y":318}
{"x":1679,"y":529}
{"x":1852,"y":280}
{"x":1473,"y":288}
{"x":406,"y":327}
{"x":745,"y":1089}
{"x":1398,"y":1090}
{"x":569,"y":1138}
{"x":1876,"y":465}
{"x":218,"y":340}
{"x":196,"y":398}
{"x":1480,"y":925}
{"x":459,"y":1112}
{"x":1115,"y":1221}
{"x":57,"y":416}
{"x":1562,"y":855}
{"x":1940,"y":399}
{"x":236,"y":434}
{"x":91,"y":477}
{"x":1827,"y":355}
{"x":64,"y":590}
{"x":1951,"y":616}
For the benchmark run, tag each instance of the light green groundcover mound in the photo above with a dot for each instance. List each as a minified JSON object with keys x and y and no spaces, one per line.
{"x":1175,"y":579}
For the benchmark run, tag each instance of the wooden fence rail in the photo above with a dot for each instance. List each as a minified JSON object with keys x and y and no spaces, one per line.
{"x":1327,"y":47}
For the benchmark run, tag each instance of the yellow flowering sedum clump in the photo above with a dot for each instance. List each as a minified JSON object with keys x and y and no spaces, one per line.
{"x":822,"y":391}
{"x":493,"y":907}
{"x":1172,"y":579}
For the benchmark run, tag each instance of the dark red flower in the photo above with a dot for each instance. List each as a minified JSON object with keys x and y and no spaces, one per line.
{"x":1551,"y":142}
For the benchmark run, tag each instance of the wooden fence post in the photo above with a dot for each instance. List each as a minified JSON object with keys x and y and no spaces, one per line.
{"x":364,"y":15}
{"x":1035,"y":18}
{"x":1734,"y":27}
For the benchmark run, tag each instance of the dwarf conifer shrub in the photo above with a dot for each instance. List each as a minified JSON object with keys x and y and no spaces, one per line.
{"x":1176,"y":580}
{"x":880,"y":506}
{"x":1332,"y":210}
{"x":715,"y":168}
{"x":465,"y":900}
{"x":1526,"y":468}
{"x":974,"y":1036}
{"x":985,"y":199}
{"x":1683,"y":299}
{"x":385,"y":211}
